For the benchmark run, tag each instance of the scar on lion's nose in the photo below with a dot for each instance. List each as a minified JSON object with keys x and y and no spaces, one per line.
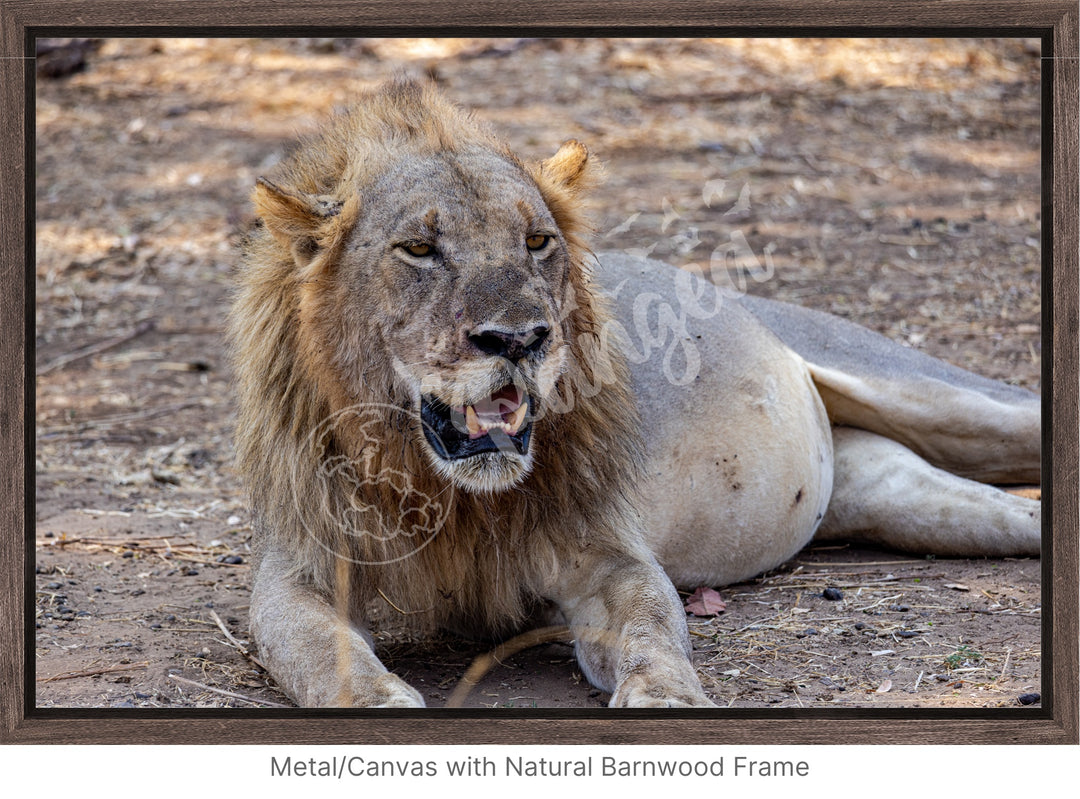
{"x":512,"y":345}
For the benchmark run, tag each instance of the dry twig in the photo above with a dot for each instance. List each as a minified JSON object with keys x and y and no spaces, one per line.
{"x":223,"y":692}
{"x":95,"y":672}
{"x":93,"y":349}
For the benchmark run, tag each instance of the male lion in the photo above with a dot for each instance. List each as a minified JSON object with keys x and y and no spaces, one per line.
{"x":438,"y":411}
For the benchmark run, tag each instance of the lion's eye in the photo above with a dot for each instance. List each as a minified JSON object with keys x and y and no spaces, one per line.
{"x":419,"y":249}
{"x":537,"y":241}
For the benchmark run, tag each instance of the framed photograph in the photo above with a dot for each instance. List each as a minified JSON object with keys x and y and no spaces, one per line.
{"x":876,"y":217}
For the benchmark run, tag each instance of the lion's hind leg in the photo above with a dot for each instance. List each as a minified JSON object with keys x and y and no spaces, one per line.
{"x":312,"y":650}
{"x":885,"y":494}
{"x":967,"y":424}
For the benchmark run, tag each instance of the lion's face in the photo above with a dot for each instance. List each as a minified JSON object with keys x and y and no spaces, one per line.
{"x":462,"y":260}
{"x":434,"y":274}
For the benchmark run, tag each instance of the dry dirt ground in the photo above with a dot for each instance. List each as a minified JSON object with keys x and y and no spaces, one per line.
{"x":895,"y":183}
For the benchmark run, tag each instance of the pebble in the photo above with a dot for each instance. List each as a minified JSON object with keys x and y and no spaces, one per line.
{"x":190,"y":572}
{"x":53,"y":586}
{"x":1028,"y":699}
{"x":908,"y":633}
{"x":832,"y":594}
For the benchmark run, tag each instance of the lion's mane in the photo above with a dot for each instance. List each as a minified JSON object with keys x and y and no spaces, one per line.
{"x":336,"y":476}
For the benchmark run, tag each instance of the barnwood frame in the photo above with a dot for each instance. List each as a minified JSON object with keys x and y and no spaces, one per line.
{"x":1053,"y":21}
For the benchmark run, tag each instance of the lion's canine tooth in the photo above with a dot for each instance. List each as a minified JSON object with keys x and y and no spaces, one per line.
{"x":517,"y":418}
{"x":472,"y":422}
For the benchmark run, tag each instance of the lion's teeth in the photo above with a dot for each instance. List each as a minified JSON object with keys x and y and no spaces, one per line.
{"x":516,"y":419}
{"x":473,"y":423}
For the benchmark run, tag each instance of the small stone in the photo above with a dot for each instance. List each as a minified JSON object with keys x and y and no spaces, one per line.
{"x":128,"y":554}
{"x":1028,"y":699}
{"x":190,"y":572}
{"x":53,"y":586}
{"x":832,"y":594}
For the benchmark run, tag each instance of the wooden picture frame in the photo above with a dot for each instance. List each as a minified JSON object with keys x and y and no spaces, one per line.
{"x":1053,"y":21}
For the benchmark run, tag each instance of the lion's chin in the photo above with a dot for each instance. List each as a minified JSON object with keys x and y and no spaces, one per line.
{"x":488,"y":473}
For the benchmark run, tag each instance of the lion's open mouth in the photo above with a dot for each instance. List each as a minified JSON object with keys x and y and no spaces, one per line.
{"x":501,"y":421}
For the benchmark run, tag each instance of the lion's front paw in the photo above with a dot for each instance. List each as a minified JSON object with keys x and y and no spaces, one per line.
{"x":389,"y":690}
{"x":639,"y":691}
{"x":382,"y":690}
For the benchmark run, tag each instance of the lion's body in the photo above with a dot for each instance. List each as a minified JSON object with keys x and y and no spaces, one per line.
{"x":755,"y":482}
{"x":436,"y":411}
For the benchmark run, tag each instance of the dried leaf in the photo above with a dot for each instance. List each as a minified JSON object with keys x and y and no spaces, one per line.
{"x":957,"y":586}
{"x":705,"y":602}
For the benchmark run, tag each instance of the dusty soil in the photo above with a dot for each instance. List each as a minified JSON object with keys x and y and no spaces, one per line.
{"x":895,"y":183}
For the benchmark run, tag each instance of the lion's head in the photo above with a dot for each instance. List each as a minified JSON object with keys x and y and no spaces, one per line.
{"x":415,"y":236}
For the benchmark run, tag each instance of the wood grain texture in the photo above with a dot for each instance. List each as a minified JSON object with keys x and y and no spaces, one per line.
{"x":13,"y":314}
{"x":1061,"y":269}
{"x":1054,"y":20}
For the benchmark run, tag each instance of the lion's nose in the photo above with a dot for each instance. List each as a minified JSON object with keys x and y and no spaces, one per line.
{"x":512,"y":345}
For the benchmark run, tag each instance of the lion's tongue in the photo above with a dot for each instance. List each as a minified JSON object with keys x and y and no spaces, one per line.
{"x":503,"y":410}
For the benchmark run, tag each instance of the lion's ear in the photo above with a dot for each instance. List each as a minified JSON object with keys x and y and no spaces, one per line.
{"x":562,"y":179}
{"x":569,"y":166}
{"x":295,"y":219}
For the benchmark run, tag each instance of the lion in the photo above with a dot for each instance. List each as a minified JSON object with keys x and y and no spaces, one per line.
{"x":448,"y":404}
